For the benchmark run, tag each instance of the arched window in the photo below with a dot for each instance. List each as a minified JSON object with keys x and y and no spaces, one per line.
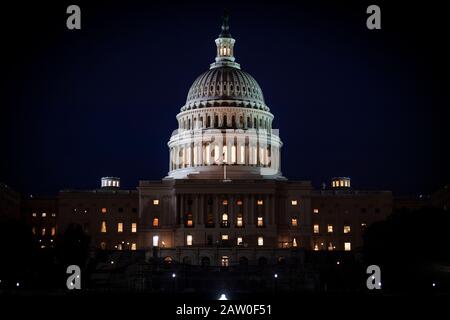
{"x":187,"y":260}
{"x":189,"y":220}
{"x":262,"y":261}
{"x":205,"y":261}
{"x":239,"y":220}
{"x":210,"y":220}
{"x":225,"y":261}
{"x":281,"y":260}
{"x":168,"y":260}
{"x":243,"y":261}
{"x":225,"y":220}
{"x":294,"y":221}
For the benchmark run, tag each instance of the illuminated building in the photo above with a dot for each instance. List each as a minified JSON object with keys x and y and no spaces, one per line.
{"x":224,"y":200}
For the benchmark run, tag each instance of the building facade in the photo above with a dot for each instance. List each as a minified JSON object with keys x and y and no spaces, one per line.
{"x":225,"y":200}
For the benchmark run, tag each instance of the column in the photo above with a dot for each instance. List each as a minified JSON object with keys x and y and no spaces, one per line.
{"x":266,"y":204}
{"x":195,"y":209}
{"x":272,"y":208}
{"x":175,"y":206}
{"x":201,"y":210}
{"x":245,"y":204}
{"x":231,"y":211}
{"x":215,"y":209}
{"x":251,"y":210}
{"x":181,"y":213}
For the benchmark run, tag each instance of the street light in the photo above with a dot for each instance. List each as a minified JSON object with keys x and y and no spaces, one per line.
{"x":223,"y":297}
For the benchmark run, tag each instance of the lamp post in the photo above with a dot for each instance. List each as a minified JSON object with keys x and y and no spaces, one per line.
{"x":275,"y":276}
{"x":174,"y":279}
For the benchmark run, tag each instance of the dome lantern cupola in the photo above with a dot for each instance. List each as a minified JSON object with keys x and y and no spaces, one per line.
{"x":225,"y":47}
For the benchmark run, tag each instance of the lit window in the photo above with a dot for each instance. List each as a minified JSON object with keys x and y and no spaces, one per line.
{"x":224,"y":237}
{"x":53,"y":232}
{"x":316,"y":228}
{"x":103,"y":229}
{"x":43,"y":231}
{"x":225,"y":261}
{"x":54,"y":214}
{"x":316,"y":247}
{"x":346,"y":229}
{"x":189,"y":220}
{"x":260,"y":202}
{"x":294,"y":242}
{"x":155,"y":222}
{"x":294,"y":202}
{"x":294,"y":221}
{"x":34,"y":214}
{"x":330,"y":228}
{"x":134,"y":227}
{"x":155,"y":202}
{"x":225,"y":219}
{"x":363,"y":225}
{"x":133,"y":246}
{"x":347,"y":246}
{"x":330,"y":246}
{"x":239,"y":203}
{"x":316,"y":211}
{"x":239,"y":241}
{"x":155,"y":241}
{"x":239,"y":221}
{"x":260,"y":241}
{"x":120,"y":227}
{"x":189,"y":240}
{"x":104,"y":210}
{"x":225,"y":202}
{"x":44,"y":214}
{"x":260,"y":222}
{"x":210,"y":220}
{"x":33,"y":230}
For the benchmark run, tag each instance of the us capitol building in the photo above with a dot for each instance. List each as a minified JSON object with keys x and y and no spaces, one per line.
{"x":225,"y":200}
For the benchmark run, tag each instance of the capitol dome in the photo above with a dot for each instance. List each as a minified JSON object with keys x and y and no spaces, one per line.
{"x":225,"y":127}
{"x":225,"y":85}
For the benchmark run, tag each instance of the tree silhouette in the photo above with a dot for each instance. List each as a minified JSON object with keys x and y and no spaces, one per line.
{"x":412,"y":249}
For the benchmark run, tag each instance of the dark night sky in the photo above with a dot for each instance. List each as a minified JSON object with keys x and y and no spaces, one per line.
{"x":78,"y":105}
